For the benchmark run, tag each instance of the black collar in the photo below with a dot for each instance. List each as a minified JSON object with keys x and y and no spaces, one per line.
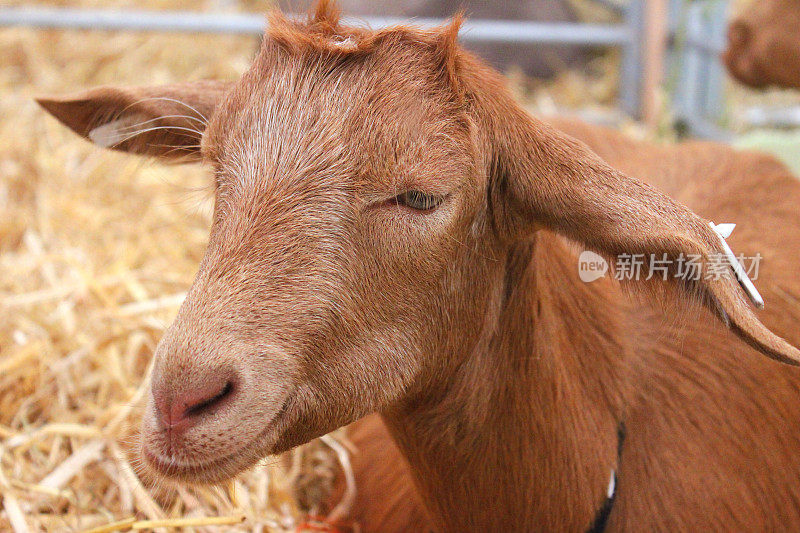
{"x":601,"y":518}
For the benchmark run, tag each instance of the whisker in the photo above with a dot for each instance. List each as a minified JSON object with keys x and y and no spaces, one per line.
{"x":473,"y":250}
{"x":166,"y":99}
{"x":201,"y":115}
{"x":147,"y":130}
{"x":159,"y":118}
{"x":175,"y":147}
{"x":179,"y":146}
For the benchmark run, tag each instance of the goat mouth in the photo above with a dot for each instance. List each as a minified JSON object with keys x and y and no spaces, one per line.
{"x":214,"y":471}
{"x":223,"y":467}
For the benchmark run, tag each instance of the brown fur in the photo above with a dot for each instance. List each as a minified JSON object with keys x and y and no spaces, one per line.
{"x":500,"y":376}
{"x":764,"y":45}
{"x":687,"y":467}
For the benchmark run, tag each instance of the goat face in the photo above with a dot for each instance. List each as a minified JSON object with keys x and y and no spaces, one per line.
{"x":345,"y":218}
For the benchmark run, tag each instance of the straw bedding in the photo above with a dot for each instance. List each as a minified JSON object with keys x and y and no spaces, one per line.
{"x":97,"y":250}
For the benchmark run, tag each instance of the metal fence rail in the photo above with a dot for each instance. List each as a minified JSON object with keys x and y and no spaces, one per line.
{"x":696,"y":32}
{"x":192,"y":22}
{"x":628,"y":36}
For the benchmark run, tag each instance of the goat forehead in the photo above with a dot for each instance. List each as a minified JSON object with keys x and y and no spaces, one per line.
{"x":311,"y":119}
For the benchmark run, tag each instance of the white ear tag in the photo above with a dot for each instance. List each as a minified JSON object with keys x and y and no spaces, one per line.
{"x":612,"y":485}
{"x":724,"y":231}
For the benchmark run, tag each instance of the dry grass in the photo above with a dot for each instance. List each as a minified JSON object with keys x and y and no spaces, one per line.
{"x":96,"y":252}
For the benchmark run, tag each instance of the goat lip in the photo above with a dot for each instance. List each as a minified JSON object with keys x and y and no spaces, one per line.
{"x":205,"y":472}
{"x":225,"y":466}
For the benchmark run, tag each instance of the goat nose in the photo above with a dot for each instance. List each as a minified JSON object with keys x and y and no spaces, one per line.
{"x":182,"y":408}
{"x":739,"y":33}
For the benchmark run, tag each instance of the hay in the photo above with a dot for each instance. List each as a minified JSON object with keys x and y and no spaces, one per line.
{"x":97,"y":250}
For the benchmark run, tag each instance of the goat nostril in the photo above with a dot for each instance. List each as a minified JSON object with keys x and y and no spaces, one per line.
{"x":203,"y":405}
{"x":738,"y":34}
{"x":182,"y":410}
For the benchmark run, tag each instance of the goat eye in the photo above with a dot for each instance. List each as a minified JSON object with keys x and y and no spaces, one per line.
{"x":419,"y":201}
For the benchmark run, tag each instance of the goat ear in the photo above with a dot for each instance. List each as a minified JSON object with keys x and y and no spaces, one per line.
{"x":166,"y":121}
{"x":545,"y":179}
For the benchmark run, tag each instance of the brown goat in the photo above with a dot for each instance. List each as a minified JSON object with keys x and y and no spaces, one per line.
{"x":394,"y":234}
{"x":764,"y":44}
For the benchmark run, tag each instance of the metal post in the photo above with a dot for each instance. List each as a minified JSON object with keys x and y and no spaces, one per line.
{"x":715,"y":93}
{"x":703,"y":58}
{"x":698,"y":99}
{"x":686,"y":92}
{"x":631,"y":76}
{"x":655,"y":44}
